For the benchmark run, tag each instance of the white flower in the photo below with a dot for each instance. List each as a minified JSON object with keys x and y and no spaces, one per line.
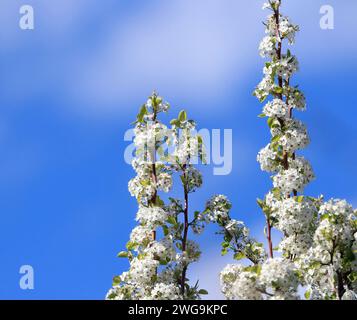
{"x":162,"y":250}
{"x":295,"y":245}
{"x":276,"y":108}
{"x":151,"y":216}
{"x":287,"y":29}
{"x":244,"y":288}
{"x":193,"y":178}
{"x":304,"y":168}
{"x":278,"y":276}
{"x":349,"y":295}
{"x":295,"y":136}
{"x":143,"y":190}
{"x":163,"y":291}
{"x":193,"y":251}
{"x":191,"y":254}
{"x":271,"y":201}
{"x":267,"y":47}
{"x":289,"y":180}
{"x":186,"y":144}
{"x":218,"y":208}
{"x":286,"y":66}
{"x":228,"y":276}
{"x":295,"y":215}
{"x":234,"y":227}
{"x":143,"y":270}
{"x":237,"y":283}
{"x":267,"y":159}
{"x":164,"y":182}
{"x":264,"y":88}
{"x":327,"y":256}
{"x":140,"y":235}
{"x":337,"y":208}
{"x":161,"y":106}
{"x":147,"y":136}
{"x":297,"y":100}
{"x":127,"y":292}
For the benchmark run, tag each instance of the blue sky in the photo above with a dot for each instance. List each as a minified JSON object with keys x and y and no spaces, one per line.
{"x":70,"y":88}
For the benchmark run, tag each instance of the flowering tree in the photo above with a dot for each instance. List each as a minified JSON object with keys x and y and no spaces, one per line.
{"x":319,"y":243}
{"x":159,"y":250}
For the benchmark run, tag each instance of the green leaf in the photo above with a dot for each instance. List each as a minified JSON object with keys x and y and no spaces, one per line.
{"x":175,"y":122}
{"x":145,"y":183}
{"x":349,"y":255}
{"x":142,"y":113}
{"x":131,"y":245}
{"x":275,"y":139}
{"x":183,"y":180}
{"x":325,"y":216}
{"x":307,"y":294}
{"x":123,"y":254}
{"x":278,"y":90}
{"x":261,"y":203}
{"x":116,"y":281}
{"x":276,"y":192}
{"x":270,"y":122}
{"x":163,"y":262}
{"x":300,"y":199}
{"x":256,"y":269}
{"x":165,"y":230}
{"x":352,"y":276}
{"x":182,"y":116}
{"x":172,"y":220}
{"x":262,"y":115}
{"x":262,"y":99}
{"x":158,"y":100}
{"x":239,"y":256}
{"x":159,"y":202}
{"x":225,"y":244}
{"x":196,"y":214}
{"x":203,"y":291}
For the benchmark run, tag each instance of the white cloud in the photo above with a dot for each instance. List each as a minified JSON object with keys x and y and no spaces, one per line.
{"x":194,"y":49}
{"x":202,"y":50}
{"x":189,"y":48}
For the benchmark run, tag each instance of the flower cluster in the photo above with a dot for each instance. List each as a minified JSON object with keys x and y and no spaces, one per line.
{"x":235,"y":233}
{"x":295,"y":215}
{"x":318,"y":246}
{"x":158,"y":266}
{"x":152,"y":217}
{"x":268,"y":159}
{"x":267,"y":47}
{"x":276,"y":108}
{"x":163,"y":291}
{"x":274,"y":279}
{"x":330,"y":263}
{"x":218,"y":207}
